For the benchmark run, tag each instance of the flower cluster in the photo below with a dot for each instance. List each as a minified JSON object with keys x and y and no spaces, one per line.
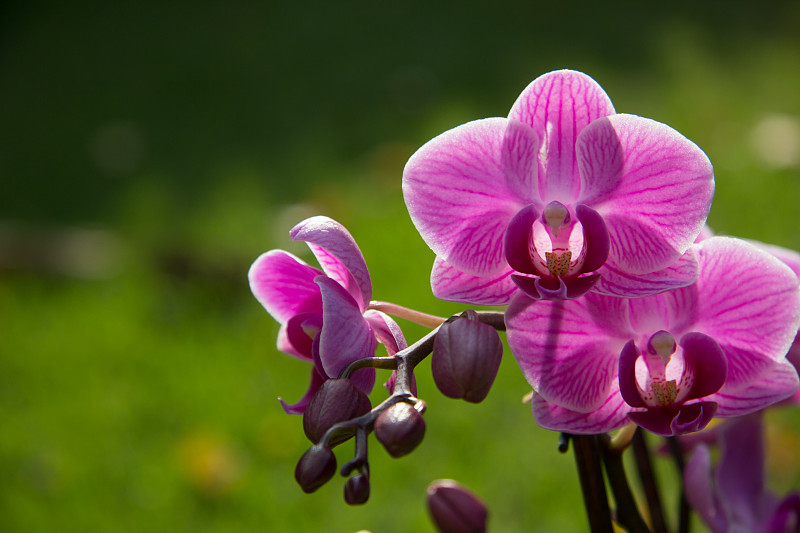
{"x":621,"y":308}
{"x":585,"y":222}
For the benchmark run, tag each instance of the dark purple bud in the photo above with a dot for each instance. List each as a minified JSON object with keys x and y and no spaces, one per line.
{"x":400,"y":429}
{"x":315,"y":468}
{"x":454,"y":509}
{"x":337,"y":400}
{"x":466,"y":357}
{"x":356,"y":490}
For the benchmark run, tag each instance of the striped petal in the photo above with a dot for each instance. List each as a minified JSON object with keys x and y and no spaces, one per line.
{"x":449,"y":283}
{"x":462,"y":188}
{"x":568,"y":350}
{"x":346,"y":336}
{"x":338,"y":254}
{"x":610,"y":415}
{"x":654,"y":192}
{"x":749,"y":302}
{"x":284,"y":285}
{"x":558,"y":105}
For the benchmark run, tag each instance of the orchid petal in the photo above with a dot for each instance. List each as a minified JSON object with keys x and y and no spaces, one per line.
{"x":675,"y":420}
{"x":462,"y":188}
{"x":299,"y":407}
{"x":699,"y":490}
{"x":610,"y":415}
{"x":566,"y":356}
{"x":386,"y":331}
{"x":788,"y":257}
{"x":595,"y":236}
{"x":776,"y":384}
{"x":298,"y":331}
{"x":749,"y":302}
{"x":740,"y":472}
{"x":449,"y":283}
{"x":284,"y":285}
{"x":657,"y":202}
{"x":558,"y":105}
{"x":338,"y":254}
{"x":346,"y":336}
{"x":616,"y":282}
{"x":627,"y":375}
{"x":705,"y":362}
{"x":518,"y":238}
{"x":285,"y":345}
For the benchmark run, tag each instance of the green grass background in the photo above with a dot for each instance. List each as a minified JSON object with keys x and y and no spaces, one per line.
{"x":150,"y":151}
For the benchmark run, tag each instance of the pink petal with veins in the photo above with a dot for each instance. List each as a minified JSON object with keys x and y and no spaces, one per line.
{"x":346,"y":336}
{"x":749,"y":302}
{"x":449,"y":283}
{"x":284,"y":285}
{"x":338,"y":254}
{"x":558,"y":105}
{"x":462,"y":188}
{"x":610,"y":415}
{"x":652,"y":186}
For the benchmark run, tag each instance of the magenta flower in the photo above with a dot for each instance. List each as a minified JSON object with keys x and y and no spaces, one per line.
{"x":731,"y":496}
{"x":324,"y":314}
{"x":562,"y":197}
{"x":669,"y":362}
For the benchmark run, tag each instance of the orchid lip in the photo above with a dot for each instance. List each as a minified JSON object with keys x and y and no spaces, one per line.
{"x":658,"y":382}
{"x":557,"y":247}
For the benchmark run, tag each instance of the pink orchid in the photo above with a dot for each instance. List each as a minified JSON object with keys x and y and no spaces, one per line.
{"x":669,"y":362}
{"x":562,"y":197}
{"x":731,"y":495}
{"x":324,"y":314}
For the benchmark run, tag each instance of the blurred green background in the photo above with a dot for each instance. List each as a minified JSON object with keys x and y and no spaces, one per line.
{"x":149,"y":151}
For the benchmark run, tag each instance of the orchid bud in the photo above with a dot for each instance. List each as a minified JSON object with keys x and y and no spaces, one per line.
{"x":337,"y":400}
{"x":466,"y":358}
{"x":454,"y":509}
{"x":400,"y":429}
{"x":356,"y":490}
{"x":315,"y":468}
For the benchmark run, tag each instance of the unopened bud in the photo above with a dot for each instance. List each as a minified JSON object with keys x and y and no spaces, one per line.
{"x":400,"y":429}
{"x":356,"y":490}
{"x":337,"y":400}
{"x":466,"y":358}
{"x":454,"y":509}
{"x":315,"y":468}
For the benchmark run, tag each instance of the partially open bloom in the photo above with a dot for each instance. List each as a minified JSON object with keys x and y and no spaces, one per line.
{"x":562,"y":197}
{"x":669,"y":362}
{"x":731,"y":495}
{"x":324,"y":314}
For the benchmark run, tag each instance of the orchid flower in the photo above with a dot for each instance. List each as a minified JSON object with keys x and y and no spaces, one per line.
{"x":562,"y":197}
{"x":324,"y":314}
{"x":668,"y":362}
{"x":731,"y":497}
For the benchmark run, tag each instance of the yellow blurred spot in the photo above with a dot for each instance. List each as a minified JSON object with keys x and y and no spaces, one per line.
{"x":210,"y":464}
{"x":776,"y":139}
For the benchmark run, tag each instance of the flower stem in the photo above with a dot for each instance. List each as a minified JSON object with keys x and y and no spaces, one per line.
{"x":627,"y":511}
{"x":644,"y":465}
{"x":423,"y":319}
{"x":683,"y":508}
{"x":590,"y":472}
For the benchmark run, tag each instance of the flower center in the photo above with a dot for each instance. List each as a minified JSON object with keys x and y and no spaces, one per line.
{"x":659,"y":351}
{"x":557,"y":241}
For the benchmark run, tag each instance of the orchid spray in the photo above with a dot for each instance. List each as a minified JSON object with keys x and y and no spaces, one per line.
{"x":622,"y":312}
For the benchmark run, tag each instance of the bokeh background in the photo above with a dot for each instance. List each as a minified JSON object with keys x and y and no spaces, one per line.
{"x":149,"y":151}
